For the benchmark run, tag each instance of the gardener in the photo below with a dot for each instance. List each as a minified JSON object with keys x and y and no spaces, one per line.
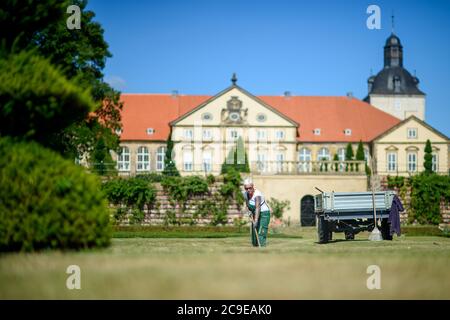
{"x":260,"y":212}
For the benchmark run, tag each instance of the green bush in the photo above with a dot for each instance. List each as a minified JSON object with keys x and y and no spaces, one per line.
{"x":395,"y":182}
{"x":278,"y":207}
{"x":36,"y":100}
{"x":150,"y":177}
{"x":130,"y":196}
{"x":48,"y":202}
{"x":427,"y":192}
{"x":181,"y":189}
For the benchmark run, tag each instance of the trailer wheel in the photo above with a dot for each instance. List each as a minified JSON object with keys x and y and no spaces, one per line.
{"x":322,"y":230}
{"x":385,"y":229}
{"x":349,"y":236}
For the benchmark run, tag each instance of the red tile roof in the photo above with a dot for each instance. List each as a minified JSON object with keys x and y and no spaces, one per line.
{"x":331,"y":114}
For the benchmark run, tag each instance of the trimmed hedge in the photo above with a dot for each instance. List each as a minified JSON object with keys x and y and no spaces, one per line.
{"x":48,"y":202}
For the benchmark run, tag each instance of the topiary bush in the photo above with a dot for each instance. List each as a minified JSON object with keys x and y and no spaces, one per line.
{"x":36,"y":100}
{"x":48,"y":202}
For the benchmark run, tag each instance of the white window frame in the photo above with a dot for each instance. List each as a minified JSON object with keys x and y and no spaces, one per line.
{"x":348,"y":132}
{"x":366,"y":154}
{"x":411,"y":165}
{"x":188,"y":134}
{"x":233,"y":134}
{"x":409,"y":134}
{"x":317,"y":131}
{"x":188,"y":164}
{"x":261,"y":134}
{"x":341,"y":157}
{"x":160,"y":155}
{"x":279,"y":159}
{"x":279,"y":135}
{"x":123,"y":159}
{"x":435,"y":162}
{"x":391,"y":162}
{"x":262,"y":161}
{"x":304,"y":158}
{"x":321,"y":156}
{"x":207,"y":161}
{"x":143,"y":159}
{"x":207,"y":134}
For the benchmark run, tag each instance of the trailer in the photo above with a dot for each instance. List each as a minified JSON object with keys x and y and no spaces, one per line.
{"x":351,"y":213}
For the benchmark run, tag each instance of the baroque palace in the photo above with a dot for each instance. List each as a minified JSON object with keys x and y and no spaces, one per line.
{"x":291,"y":141}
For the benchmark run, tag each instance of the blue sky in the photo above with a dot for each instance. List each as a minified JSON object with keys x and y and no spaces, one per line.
{"x":306,"y":47}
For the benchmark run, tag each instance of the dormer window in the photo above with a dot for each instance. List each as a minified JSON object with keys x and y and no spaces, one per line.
{"x":396,"y":84}
{"x":118,"y":132}
{"x":412,"y":133}
{"x":316,"y":131}
{"x":348,"y":132}
{"x":150,"y":131}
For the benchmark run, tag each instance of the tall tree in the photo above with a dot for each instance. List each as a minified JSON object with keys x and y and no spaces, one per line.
{"x":359,"y":154}
{"x":336,"y":160}
{"x":80,"y":53}
{"x":349,"y":156}
{"x":428,"y":163}
{"x":170,"y":169}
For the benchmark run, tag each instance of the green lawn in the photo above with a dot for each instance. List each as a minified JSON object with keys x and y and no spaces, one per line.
{"x":295,"y":267}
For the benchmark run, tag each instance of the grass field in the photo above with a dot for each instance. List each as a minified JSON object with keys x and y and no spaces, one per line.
{"x":293,"y":266}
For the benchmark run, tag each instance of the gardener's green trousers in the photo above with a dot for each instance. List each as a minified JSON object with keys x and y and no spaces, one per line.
{"x":262,"y":227}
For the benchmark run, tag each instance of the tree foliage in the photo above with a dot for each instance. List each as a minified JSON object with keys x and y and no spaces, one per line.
{"x":170,"y":169}
{"x":80,"y":54}
{"x":36,"y":100}
{"x":428,"y":158}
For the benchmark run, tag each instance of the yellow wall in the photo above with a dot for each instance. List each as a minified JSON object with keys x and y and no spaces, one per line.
{"x":397,"y":141}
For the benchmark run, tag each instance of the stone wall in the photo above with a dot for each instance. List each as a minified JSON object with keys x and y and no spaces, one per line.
{"x":158,"y":214}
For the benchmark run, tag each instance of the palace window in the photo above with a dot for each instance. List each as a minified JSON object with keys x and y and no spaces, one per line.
{"x":279,"y":134}
{"x":160,"y":154}
{"x":412,"y":133}
{"x":304,"y":158}
{"x":341,"y":157}
{"x":412,"y":161}
{"x":233,"y":134}
{"x":323,"y":154}
{"x":188,"y":134}
{"x":187,"y":160}
{"x":123,"y":160}
{"x":434,"y":161}
{"x":207,"y":134}
{"x":262,"y":162}
{"x":143,"y":159}
{"x":391,"y":161}
{"x":261,"y":134}
{"x":207,"y":161}
{"x":279,"y":162}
